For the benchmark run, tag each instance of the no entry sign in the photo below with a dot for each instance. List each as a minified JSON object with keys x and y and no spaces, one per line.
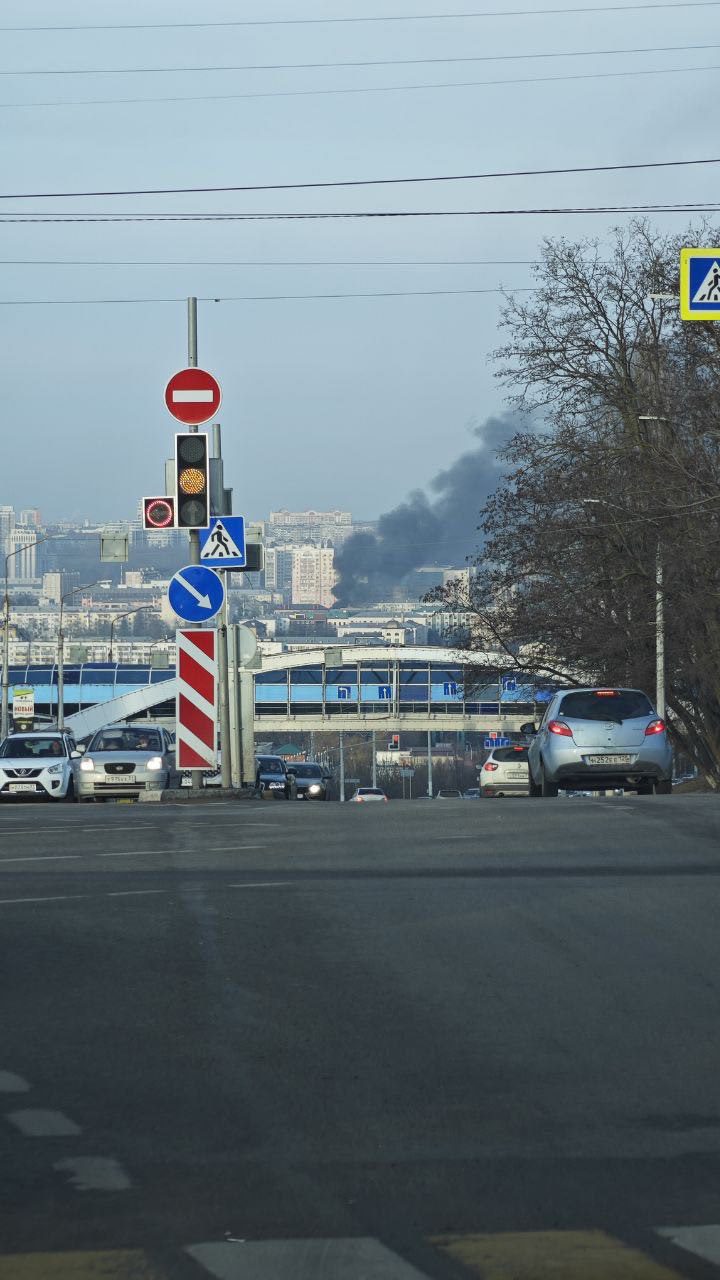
{"x":193,"y":396}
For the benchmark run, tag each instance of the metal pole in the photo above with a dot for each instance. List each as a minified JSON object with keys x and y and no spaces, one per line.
{"x":194,"y":536}
{"x":659,"y":635}
{"x":235,"y":765}
{"x":429,"y":764}
{"x":112,"y":628}
{"x":61,"y":671}
{"x":374,"y":757}
{"x":342,"y":767}
{"x":224,"y":695}
{"x":247,"y":725}
{"x":6,"y":660}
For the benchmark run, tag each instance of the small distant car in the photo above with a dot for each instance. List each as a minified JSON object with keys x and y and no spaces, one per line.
{"x":505,"y":772}
{"x":448,"y":795}
{"x":368,"y":795}
{"x":472,"y":793}
{"x":125,"y":759}
{"x":272,"y":778}
{"x":39,"y":764}
{"x":312,"y":781}
{"x":600,"y":739}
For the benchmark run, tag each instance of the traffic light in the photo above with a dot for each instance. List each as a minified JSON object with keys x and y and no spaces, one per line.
{"x":394,"y":743}
{"x":158,"y":513}
{"x":192,"y":467}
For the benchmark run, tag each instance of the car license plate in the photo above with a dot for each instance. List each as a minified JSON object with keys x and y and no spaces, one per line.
{"x":21,"y":786}
{"x":609,"y":759}
{"x":518,"y":773}
{"x":122,"y":778}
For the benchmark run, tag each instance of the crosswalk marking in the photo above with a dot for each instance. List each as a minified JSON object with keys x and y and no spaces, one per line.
{"x":702,"y":1241}
{"x":361,"y":1258}
{"x":123,"y":1264}
{"x":553,"y":1255}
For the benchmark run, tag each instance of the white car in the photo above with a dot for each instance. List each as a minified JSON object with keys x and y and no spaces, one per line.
{"x":505,"y":772}
{"x":368,"y":794}
{"x":39,"y":764}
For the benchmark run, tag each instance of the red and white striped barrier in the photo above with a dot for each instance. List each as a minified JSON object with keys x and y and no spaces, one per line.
{"x":196,"y":706}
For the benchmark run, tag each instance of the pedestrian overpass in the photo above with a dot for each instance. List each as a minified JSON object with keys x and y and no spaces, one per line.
{"x":351,"y":689}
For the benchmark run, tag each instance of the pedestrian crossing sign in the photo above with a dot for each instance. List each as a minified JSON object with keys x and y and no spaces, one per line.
{"x":222,"y":544}
{"x":700,"y":284}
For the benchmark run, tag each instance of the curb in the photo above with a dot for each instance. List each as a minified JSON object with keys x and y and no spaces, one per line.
{"x":208,"y":795}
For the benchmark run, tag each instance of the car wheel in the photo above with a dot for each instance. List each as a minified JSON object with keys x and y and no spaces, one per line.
{"x":646,"y":788}
{"x":70,"y":796}
{"x":547,"y":789}
{"x":663,"y":787}
{"x":534,"y":788}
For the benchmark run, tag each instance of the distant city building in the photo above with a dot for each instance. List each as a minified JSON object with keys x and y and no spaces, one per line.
{"x":278,"y":568}
{"x":22,"y":549}
{"x":31,"y":517}
{"x":309,"y":528}
{"x":59,"y":583}
{"x":313,"y":575}
{"x":7,"y":524}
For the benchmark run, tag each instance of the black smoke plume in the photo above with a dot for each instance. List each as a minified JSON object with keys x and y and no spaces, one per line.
{"x":440,"y":529}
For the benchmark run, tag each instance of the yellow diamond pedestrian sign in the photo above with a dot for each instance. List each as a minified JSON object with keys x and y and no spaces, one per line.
{"x":700,"y":284}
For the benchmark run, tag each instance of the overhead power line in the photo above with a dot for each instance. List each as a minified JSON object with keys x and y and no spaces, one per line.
{"x":375,"y":62}
{"x":319,"y":262}
{"x":359,"y":182}
{"x":387,"y":88}
{"x":707,"y":206}
{"x":259,"y":297}
{"x":399,"y":17}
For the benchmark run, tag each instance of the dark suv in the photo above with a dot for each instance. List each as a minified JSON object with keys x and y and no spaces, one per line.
{"x":272,"y":777}
{"x":313,"y":782}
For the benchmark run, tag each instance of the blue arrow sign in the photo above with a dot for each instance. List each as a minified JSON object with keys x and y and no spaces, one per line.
{"x":496,"y":742}
{"x":450,"y":689}
{"x":509,"y":684}
{"x":196,"y":593}
{"x":222,"y":544}
{"x":343,"y":692}
{"x":384,"y":692}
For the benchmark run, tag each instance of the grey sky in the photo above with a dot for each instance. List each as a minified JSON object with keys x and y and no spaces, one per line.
{"x":345,"y":402}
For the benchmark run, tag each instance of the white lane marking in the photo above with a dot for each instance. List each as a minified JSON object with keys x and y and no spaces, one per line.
{"x":362,"y":1258}
{"x":261,"y":884}
{"x":94,"y":1173}
{"x":133,"y":893}
{"x":703,"y":1241}
{"x":10,"y":1083}
{"x":44,"y":1124}
{"x":43,"y":857}
{"x":59,"y":897}
{"x":149,"y":853}
{"x":34,"y":832}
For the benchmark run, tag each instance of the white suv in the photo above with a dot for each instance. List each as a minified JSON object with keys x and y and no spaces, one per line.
{"x":38,"y":764}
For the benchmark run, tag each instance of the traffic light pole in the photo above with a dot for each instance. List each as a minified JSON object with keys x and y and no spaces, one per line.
{"x":195,"y":774}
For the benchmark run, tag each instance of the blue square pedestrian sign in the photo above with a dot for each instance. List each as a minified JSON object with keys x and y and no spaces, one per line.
{"x":222,"y":544}
{"x":700,"y":284}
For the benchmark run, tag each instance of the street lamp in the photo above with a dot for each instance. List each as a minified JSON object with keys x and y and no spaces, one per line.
{"x":128,"y":613}
{"x":5,"y":719}
{"x":61,"y":652}
{"x":659,"y":613}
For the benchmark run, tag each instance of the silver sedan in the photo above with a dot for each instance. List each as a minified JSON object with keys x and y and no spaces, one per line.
{"x":123,"y":760}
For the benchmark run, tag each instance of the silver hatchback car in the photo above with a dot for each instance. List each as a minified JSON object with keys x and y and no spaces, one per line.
{"x":599,"y":739}
{"x":124,"y":759}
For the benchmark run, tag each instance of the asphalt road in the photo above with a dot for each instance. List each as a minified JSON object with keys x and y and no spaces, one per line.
{"x":376,"y":1025}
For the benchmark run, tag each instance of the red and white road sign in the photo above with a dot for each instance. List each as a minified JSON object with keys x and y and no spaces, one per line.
{"x":193,"y":396}
{"x":196,"y":704}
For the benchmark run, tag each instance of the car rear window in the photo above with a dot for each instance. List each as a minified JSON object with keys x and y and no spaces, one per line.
{"x":370,"y":791}
{"x":604,"y":704}
{"x":510,"y":755}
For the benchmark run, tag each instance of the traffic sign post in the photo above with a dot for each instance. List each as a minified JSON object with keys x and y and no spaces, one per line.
{"x":193,"y":396}
{"x":222,"y":544}
{"x":700,"y":284}
{"x":196,"y":594}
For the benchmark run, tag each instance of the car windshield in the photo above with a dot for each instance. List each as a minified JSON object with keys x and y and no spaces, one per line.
{"x":31,"y":748}
{"x":370,"y":791}
{"x":604,"y":704}
{"x":271,"y":766}
{"x":126,"y":740}
{"x":307,"y":770}
{"x":510,"y":755}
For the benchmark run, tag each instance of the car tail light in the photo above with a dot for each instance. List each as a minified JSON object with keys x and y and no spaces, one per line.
{"x":606,"y":693}
{"x":655,"y":726}
{"x":490,"y":766}
{"x":559,"y":727}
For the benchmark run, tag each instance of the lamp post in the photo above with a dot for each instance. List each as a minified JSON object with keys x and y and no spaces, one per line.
{"x":128,"y":613}
{"x":659,"y":613}
{"x":61,"y":653}
{"x":5,"y":721}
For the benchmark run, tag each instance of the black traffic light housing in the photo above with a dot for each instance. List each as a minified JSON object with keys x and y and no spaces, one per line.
{"x":394,"y":743}
{"x":192,"y":480}
{"x":158,"y":513}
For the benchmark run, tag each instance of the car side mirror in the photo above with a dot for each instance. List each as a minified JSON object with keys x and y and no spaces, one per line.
{"x":528,"y":728}
{"x":80,"y":749}
{"x":76,"y":754}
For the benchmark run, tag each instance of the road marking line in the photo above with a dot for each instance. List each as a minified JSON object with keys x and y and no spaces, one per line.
{"x":703,"y":1241}
{"x":149,"y":853}
{"x":121,"y":1264}
{"x":94,"y":1173}
{"x":133,"y":893}
{"x":261,"y":884}
{"x":353,"y":1259}
{"x":60,"y":897}
{"x":43,"y":857}
{"x":44,"y":1124}
{"x":552,"y":1255}
{"x":10,"y":1083}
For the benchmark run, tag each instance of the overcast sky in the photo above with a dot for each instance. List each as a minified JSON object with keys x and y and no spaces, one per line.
{"x":345,"y":402}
